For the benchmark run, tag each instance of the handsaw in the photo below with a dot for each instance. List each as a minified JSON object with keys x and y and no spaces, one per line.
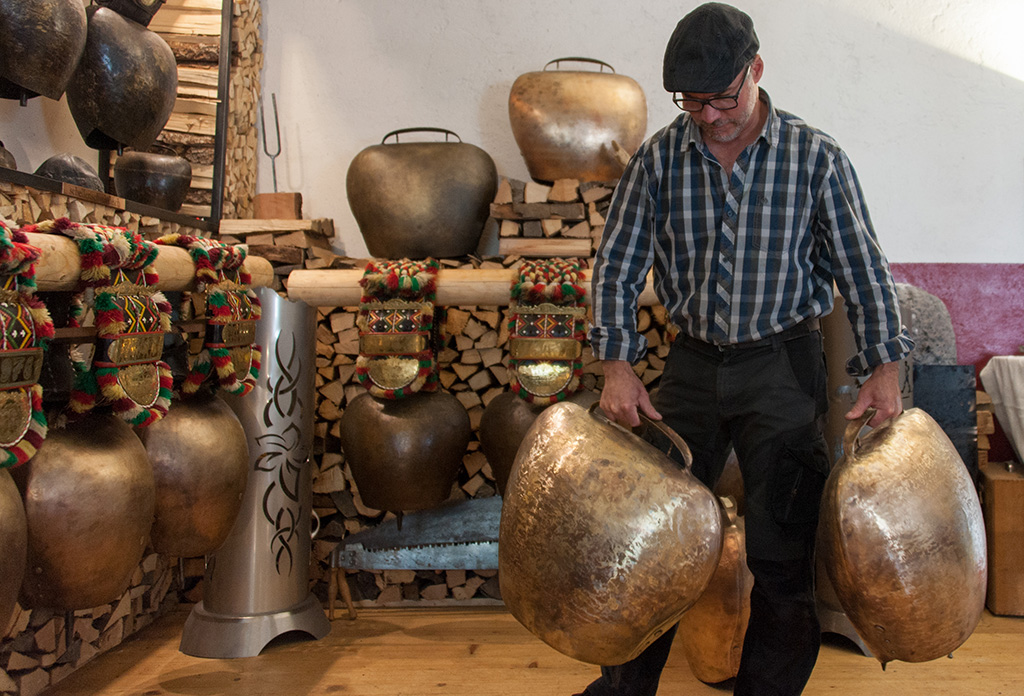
{"x":461,"y":535}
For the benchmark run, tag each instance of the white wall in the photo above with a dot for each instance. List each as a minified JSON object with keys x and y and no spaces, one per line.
{"x":927,"y":96}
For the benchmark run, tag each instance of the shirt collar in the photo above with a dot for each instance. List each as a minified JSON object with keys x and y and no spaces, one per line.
{"x":769,"y":132}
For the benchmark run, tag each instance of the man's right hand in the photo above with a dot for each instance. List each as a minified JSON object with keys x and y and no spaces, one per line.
{"x":624,"y":394}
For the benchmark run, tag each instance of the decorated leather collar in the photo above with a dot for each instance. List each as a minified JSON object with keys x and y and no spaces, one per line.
{"x":547,"y":320}
{"x":231,"y":309}
{"x":25,"y":329}
{"x":396,"y":324}
{"x":117,"y":282}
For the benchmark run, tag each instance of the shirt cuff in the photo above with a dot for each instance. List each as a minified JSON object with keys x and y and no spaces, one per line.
{"x":617,"y":344}
{"x":864,"y":362}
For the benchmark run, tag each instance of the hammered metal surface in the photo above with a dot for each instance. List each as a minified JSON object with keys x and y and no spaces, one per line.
{"x":903,"y":540}
{"x":14,"y":542}
{"x":89,"y":499}
{"x":43,"y":41}
{"x":503,"y":425}
{"x":711,"y":631}
{"x":200,"y":464}
{"x":564,"y":122}
{"x":604,"y":540}
{"x":405,"y":454}
{"x":123,"y":89}
{"x":417,"y":200}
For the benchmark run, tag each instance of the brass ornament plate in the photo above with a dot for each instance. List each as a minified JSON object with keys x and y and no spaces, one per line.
{"x":141,"y":383}
{"x":241,"y":358}
{"x":15,"y":415}
{"x":135,"y":348}
{"x":390,"y":344}
{"x":544,"y":348}
{"x":544,"y":378}
{"x":20,"y":368}
{"x":393,"y":372}
{"x":239,"y":333}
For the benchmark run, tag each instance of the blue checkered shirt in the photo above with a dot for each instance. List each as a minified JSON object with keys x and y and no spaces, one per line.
{"x":741,"y":256}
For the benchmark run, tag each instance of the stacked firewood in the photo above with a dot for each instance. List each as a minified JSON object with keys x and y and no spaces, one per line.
{"x":23,"y":205}
{"x":42,"y":646}
{"x":473,"y":366}
{"x":561,"y":220}
{"x":287,"y":244}
{"x":243,"y":147}
{"x":193,"y":30}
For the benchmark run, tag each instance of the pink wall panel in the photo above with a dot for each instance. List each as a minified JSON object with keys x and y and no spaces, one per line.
{"x":986,"y":305}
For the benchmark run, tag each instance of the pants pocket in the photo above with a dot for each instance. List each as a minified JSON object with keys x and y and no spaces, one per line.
{"x":801,"y":470}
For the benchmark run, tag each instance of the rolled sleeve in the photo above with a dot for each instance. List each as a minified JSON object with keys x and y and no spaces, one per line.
{"x":620,"y":268}
{"x":861,"y":272}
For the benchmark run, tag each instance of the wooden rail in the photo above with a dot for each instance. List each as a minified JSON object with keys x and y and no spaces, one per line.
{"x":59,"y":266}
{"x":455,"y":286}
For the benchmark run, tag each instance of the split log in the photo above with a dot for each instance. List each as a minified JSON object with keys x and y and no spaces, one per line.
{"x":323,"y":227}
{"x":550,"y":247}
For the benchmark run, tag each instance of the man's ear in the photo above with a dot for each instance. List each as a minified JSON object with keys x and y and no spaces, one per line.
{"x":757,"y":68}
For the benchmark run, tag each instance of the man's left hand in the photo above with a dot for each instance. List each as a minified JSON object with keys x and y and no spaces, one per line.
{"x":881,"y":391}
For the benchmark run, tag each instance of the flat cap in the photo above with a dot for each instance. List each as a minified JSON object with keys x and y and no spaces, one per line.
{"x":708,"y":49}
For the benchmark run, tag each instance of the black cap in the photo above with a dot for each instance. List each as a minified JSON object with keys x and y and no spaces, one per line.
{"x":708,"y":49}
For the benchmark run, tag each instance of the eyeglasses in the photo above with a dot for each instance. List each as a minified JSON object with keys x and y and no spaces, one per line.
{"x":723,"y":102}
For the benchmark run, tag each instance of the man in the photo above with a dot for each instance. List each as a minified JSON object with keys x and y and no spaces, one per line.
{"x":747,"y":216}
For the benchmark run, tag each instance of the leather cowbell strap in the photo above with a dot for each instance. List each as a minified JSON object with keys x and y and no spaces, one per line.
{"x":25,"y":330}
{"x":547,"y":329}
{"x":231,"y":309}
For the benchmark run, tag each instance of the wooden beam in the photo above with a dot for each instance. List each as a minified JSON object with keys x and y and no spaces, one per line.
{"x":455,"y":286}
{"x":544,"y":248}
{"x":59,"y":266}
{"x":173,"y":20}
{"x":240,"y":228}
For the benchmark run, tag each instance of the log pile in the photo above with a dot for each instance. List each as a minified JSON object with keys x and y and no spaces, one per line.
{"x":193,"y":29}
{"x":243,"y":147}
{"x":37,"y":650}
{"x":24,"y":205}
{"x":287,"y":244}
{"x":472,"y":366}
{"x":562,"y":220}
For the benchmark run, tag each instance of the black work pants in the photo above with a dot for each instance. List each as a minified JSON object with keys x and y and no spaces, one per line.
{"x":767,"y":402}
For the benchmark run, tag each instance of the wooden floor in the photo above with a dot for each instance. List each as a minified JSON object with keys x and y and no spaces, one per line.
{"x":485,"y":652}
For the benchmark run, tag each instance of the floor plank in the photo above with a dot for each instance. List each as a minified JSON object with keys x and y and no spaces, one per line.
{"x":485,"y":652}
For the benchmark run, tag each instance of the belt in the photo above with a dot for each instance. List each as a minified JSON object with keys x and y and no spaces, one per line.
{"x":804,"y":328}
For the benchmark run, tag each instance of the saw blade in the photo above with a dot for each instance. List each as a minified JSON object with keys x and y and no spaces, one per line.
{"x":466,"y":521}
{"x":460,"y":535}
{"x":464,"y":555}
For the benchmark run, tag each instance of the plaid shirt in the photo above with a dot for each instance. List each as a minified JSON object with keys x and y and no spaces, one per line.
{"x":742,"y":256}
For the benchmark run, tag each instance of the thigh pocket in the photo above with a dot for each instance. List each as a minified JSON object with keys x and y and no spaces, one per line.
{"x":801,"y":468}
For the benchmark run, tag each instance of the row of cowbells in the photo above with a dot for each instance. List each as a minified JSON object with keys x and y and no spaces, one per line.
{"x":405,"y":454}
{"x":79,"y":515}
{"x":605,"y":542}
{"x":121,"y":79}
{"x":421,"y":199}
